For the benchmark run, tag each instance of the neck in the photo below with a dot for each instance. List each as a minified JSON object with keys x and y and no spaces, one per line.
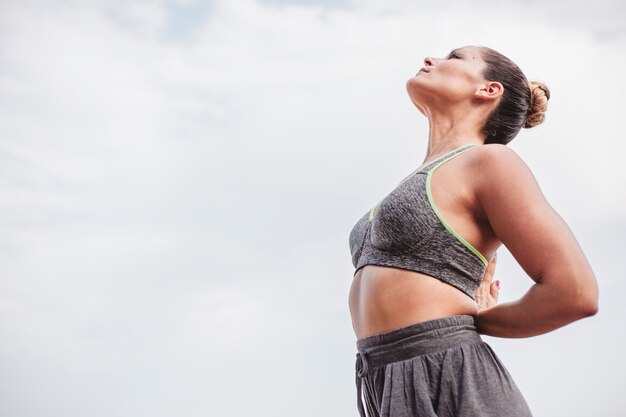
{"x":451,"y":130}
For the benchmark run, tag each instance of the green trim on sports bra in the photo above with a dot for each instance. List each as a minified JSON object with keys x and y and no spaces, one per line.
{"x":373,"y":210}
{"x":436,"y":210}
{"x":418,"y":170}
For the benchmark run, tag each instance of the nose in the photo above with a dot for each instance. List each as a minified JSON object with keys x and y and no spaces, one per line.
{"x":428,"y":61}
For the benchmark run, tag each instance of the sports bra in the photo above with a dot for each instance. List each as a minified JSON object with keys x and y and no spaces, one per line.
{"x":406,"y":230}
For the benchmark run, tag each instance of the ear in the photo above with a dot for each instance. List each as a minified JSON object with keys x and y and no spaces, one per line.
{"x":491,"y":90}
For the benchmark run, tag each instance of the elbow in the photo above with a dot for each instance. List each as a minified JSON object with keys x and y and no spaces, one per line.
{"x":579,"y":308}
{"x":583,"y":296}
{"x":578,"y":303}
{"x":587,"y":304}
{"x":589,"y":307}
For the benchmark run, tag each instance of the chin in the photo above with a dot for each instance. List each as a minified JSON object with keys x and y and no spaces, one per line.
{"x":414,"y":90}
{"x":410,"y":85}
{"x":415,"y":83}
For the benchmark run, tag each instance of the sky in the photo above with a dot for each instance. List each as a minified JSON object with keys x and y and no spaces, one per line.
{"x":178,"y":180}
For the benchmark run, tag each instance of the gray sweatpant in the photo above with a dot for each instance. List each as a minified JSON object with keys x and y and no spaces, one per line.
{"x":437,"y":368}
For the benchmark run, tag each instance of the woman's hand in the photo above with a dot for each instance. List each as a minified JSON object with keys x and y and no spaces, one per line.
{"x":487,"y":292}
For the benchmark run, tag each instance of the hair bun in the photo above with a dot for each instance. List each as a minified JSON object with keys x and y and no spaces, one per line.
{"x":539,"y":96}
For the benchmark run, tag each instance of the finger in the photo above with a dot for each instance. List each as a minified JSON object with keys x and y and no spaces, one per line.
{"x":490,"y":270}
{"x":494,"y":289}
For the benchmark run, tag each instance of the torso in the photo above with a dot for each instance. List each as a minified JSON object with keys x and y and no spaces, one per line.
{"x":385,"y":298}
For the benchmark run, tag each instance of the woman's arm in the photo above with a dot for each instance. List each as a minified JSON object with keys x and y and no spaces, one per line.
{"x":565,"y":288}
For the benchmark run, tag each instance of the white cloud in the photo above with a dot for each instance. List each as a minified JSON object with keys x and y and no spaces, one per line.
{"x":175,"y":210}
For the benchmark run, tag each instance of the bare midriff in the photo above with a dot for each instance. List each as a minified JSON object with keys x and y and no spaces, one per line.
{"x":383,"y":299}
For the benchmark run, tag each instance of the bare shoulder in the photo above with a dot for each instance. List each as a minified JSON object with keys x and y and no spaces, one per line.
{"x":495,"y":167}
{"x":495,"y":156}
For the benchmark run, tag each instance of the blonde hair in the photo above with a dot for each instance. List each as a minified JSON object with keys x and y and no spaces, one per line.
{"x":539,"y":96}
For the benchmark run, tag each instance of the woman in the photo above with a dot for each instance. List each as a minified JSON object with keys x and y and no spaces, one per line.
{"x":423,"y":290}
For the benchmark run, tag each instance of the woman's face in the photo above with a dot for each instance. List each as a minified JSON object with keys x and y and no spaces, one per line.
{"x":448,"y":80}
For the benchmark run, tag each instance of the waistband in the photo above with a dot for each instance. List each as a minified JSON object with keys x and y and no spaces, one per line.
{"x":415,"y":340}
{"x":408,"y":342}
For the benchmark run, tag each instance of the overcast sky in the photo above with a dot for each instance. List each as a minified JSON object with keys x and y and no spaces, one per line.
{"x":178,"y":180}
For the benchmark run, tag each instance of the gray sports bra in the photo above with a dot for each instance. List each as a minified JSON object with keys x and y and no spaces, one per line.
{"x":405,"y":230}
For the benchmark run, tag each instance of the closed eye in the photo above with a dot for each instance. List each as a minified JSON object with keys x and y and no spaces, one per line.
{"x":454,"y":55}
